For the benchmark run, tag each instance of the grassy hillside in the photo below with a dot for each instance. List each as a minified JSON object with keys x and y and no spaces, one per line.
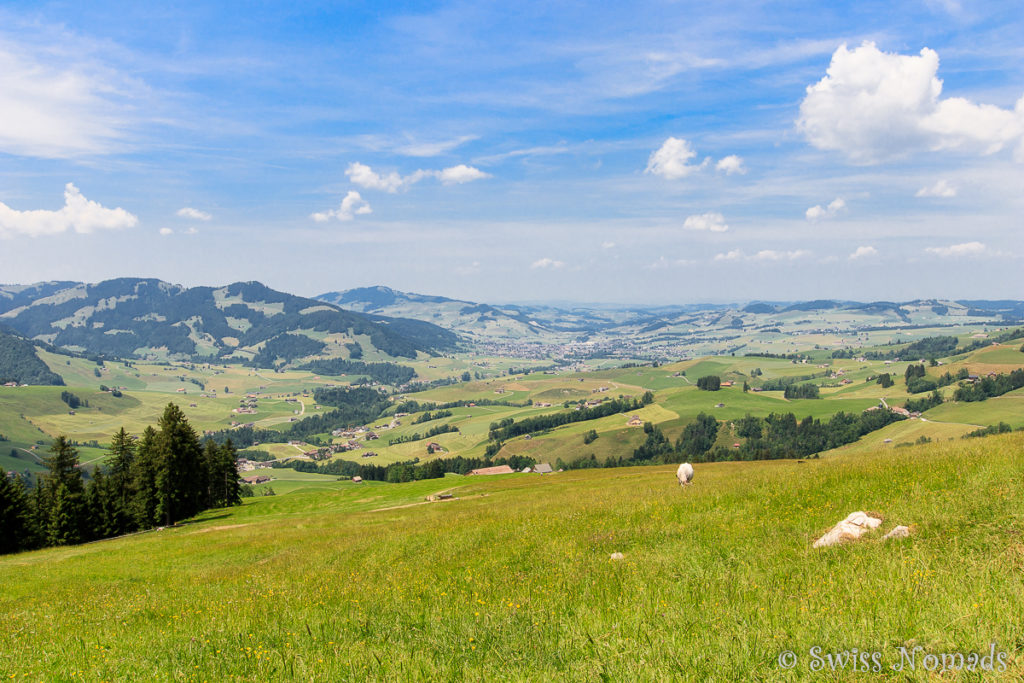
{"x":513,"y":580}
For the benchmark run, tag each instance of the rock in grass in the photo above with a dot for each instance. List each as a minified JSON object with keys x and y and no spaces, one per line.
{"x":618,"y":556}
{"x":850,"y":529}
{"x":899,"y":532}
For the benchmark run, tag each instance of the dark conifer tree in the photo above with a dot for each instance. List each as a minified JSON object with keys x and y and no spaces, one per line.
{"x":62,"y":496}
{"x":120,"y":466}
{"x":16,"y":519}
{"x":223,"y":489}
{"x":143,"y":481}
{"x":181,"y":480}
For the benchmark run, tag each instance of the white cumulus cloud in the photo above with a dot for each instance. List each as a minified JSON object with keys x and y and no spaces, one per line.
{"x":79,"y":214}
{"x":941,"y":188}
{"x":672,"y":160}
{"x":863,"y":252}
{"x":713,"y":222}
{"x":818,"y":212}
{"x":874,"y":105}
{"x":608,"y":245}
{"x":352,"y":205}
{"x":365,"y":177}
{"x":195,"y":214}
{"x":457,"y":175}
{"x":954,"y":250}
{"x":166,"y":231}
{"x":546,"y":263}
{"x":730,"y":165}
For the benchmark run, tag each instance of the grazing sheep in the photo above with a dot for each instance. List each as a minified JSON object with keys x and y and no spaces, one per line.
{"x":684,"y":474}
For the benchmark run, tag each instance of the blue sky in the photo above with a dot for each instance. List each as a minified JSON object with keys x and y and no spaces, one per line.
{"x":655,"y":152}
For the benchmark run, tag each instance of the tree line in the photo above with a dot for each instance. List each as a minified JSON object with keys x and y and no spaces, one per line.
{"x":412,"y":470}
{"x":507,"y":429}
{"x":162,"y":478}
{"x":988,"y":387}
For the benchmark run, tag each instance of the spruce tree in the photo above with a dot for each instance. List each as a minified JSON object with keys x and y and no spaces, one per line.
{"x":223,"y":488}
{"x":66,"y":517}
{"x":16,"y":519}
{"x":181,"y":480}
{"x":62,"y":487}
{"x":120,"y":464}
{"x":142,"y":479}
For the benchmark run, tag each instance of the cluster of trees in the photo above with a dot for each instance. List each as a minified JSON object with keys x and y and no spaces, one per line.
{"x":922,"y":404}
{"x":917,"y":382}
{"x":802,"y":391}
{"x":428,"y":416}
{"x":166,"y":477}
{"x":780,"y":383}
{"x":1001,"y":428}
{"x":73,"y":401}
{"x":411,"y":406}
{"x":776,"y":436}
{"x":709,"y":383}
{"x":987,"y":387}
{"x":589,"y":437}
{"x":885,"y":379}
{"x":507,"y":429}
{"x":434,"y":431}
{"x":19,"y":363}
{"x":407,"y":471}
{"x":382,"y":373}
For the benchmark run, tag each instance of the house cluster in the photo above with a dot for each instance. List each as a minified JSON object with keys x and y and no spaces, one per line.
{"x":246,"y":465}
{"x":247,"y":405}
{"x":14,"y":384}
{"x":255,"y":479}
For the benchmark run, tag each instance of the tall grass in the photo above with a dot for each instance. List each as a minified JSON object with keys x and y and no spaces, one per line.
{"x":513,"y":580}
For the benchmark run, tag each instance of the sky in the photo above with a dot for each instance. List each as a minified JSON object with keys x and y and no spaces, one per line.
{"x":636,"y":152}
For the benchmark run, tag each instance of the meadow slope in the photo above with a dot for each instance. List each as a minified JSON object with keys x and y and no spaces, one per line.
{"x":513,"y":579}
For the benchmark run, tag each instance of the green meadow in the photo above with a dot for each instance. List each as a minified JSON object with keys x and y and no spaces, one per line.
{"x":513,"y":578}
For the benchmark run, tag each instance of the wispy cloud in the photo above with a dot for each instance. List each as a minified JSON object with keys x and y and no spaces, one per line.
{"x":941,"y":188}
{"x":194,"y":214}
{"x":547,"y":263}
{"x":763,"y":255}
{"x":863,"y":252}
{"x":365,"y":177}
{"x":433,"y":149}
{"x":78,"y":214}
{"x":958,"y":250}
{"x":59,"y":110}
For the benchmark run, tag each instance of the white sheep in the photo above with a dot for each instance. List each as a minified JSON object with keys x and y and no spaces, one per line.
{"x":684,"y":474}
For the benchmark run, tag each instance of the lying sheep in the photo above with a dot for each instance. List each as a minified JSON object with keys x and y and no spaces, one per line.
{"x":684,"y":474}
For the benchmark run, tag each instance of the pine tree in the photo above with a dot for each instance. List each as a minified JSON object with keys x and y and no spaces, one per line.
{"x":16,"y":519}
{"x":222,"y":472}
{"x":120,"y":463}
{"x":60,"y":505}
{"x":181,"y":480}
{"x":66,"y":517}
{"x":143,"y":475}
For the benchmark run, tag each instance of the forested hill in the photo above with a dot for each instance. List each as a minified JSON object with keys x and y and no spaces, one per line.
{"x":130,"y":317}
{"x":20,"y":363}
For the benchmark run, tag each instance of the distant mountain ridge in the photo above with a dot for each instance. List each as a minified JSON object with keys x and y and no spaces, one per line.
{"x":135,"y":317}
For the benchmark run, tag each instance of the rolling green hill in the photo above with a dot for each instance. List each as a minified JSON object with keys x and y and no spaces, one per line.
{"x":512,"y":579}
